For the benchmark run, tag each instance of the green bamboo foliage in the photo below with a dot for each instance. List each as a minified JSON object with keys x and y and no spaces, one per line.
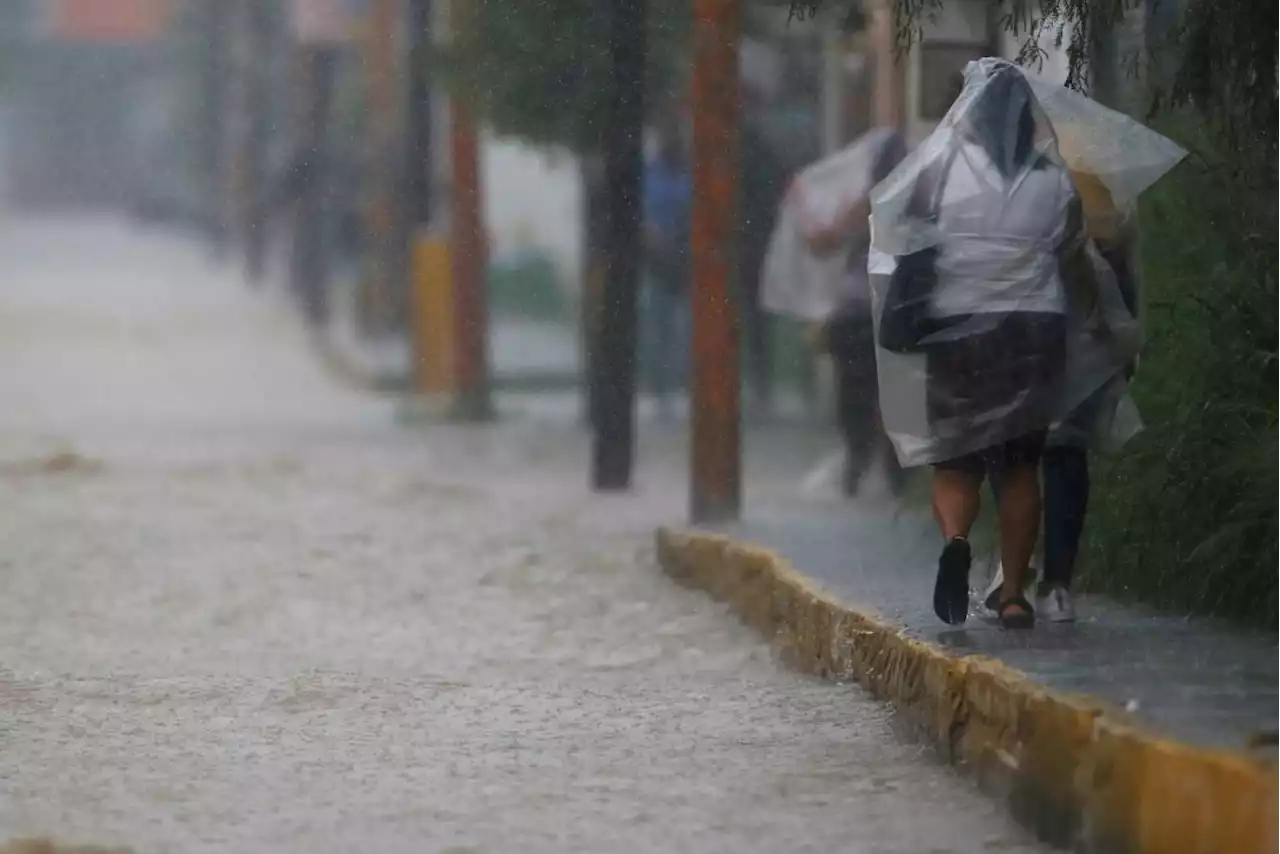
{"x":538,"y":70}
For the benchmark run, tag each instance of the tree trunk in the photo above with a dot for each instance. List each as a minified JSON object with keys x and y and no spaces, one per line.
{"x":594,"y":265}
{"x":614,"y":367}
{"x":311,"y":248}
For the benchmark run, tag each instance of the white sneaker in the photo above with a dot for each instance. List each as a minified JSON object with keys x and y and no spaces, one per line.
{"x":991,"y":596}
{"x":1056,"y":606}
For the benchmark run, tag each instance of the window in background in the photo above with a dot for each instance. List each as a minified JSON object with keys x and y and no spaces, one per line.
{"x":939,"y":63}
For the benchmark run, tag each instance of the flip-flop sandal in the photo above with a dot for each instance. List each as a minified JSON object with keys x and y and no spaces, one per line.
{"x":1024,"y":617}
{"x":951,"y":588}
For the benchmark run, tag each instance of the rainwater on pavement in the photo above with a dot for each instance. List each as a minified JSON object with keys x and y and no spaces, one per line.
{"x":246,"y":610}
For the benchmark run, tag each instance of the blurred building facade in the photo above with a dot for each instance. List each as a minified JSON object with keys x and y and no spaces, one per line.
{"x":867,"y":81}
{"x":84,"y":97}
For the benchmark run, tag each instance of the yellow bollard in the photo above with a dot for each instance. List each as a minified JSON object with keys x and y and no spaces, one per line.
{"x":434,"y":328}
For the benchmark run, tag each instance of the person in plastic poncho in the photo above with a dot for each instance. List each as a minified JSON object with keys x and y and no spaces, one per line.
{"x":1065,"y":464}
{"x":988,"y":235}
{"x":849,"y":335}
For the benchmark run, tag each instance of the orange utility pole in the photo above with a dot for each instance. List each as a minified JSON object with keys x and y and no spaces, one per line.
{"x":716,"y":488}
{"x":469,"y":254}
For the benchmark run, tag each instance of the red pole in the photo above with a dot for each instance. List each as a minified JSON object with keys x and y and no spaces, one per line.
{"x":469,"y":255}
{"x":716,"y":448}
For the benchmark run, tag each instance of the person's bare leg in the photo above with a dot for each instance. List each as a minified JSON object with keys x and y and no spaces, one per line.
{"x":957,"y":500}
{"x":1019,"y":525}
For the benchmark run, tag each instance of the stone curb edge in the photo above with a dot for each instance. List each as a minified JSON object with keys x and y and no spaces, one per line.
{"x":1070,"y":769}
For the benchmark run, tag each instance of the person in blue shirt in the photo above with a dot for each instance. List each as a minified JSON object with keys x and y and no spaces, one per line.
{"x":667,"y":206}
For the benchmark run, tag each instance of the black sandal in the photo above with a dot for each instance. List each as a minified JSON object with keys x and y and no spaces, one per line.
{"x":951,"y":587}
{"x":1022,"y":618}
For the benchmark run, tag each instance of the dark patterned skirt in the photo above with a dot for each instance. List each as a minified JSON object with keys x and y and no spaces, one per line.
{"x":1001,"y":380}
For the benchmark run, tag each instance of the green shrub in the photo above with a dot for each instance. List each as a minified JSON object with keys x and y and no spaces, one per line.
{"x":526,"y":285}
{"x":1185,"y":517}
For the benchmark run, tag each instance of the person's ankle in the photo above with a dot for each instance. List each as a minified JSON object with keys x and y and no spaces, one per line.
{"x":1014,"y":585}
{"x":1009,"y":594}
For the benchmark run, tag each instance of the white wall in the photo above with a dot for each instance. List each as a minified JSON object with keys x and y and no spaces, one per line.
{"x":964,"y":21}
{"x":533,"y":198}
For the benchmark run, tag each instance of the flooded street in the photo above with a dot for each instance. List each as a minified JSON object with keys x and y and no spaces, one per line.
{"x":246,"y":610}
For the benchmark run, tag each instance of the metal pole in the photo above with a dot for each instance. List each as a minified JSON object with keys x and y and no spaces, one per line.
{"x":414,"y":223}
{"x":473,"y":401}
{"x":260,"y":45}
{"x":430,"y":304}
{"x":382,"y":215}
{"x":311,"y":250}
{"x":418,"y":115}
{"x":217,"y":64}
{"x":613,"y":364}
{"x":716,"y":452}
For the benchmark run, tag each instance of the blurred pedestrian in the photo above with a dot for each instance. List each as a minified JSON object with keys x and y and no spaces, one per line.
{"x":298,"y":191}
{"x":764,"y":181}
{"x":849,"y":334}
{"x":668,"y":201}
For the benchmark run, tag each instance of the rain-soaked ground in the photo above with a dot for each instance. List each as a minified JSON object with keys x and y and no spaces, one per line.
{"x":244,"y":611}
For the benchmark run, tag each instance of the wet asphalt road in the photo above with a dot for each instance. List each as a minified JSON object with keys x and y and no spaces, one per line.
{"x":245,"y":611}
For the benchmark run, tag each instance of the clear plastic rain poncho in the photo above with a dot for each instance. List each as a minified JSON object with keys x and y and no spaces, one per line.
{"x":996,"y":314}
{"x":1109,"y":417}
{"x":795,"y":281}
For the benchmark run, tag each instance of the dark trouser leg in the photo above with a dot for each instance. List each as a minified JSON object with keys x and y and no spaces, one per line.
{"x":893,"y":471}
{"x":759,"y":369}
{"x":1066,"y":501}
{"x":855,"y":411}
{"x":660,"y":339}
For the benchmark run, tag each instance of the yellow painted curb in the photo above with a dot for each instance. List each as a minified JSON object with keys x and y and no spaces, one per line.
{"x":1072,"y":770}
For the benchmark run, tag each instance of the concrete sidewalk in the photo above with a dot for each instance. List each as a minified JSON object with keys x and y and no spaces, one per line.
{"x":842,"y":583}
